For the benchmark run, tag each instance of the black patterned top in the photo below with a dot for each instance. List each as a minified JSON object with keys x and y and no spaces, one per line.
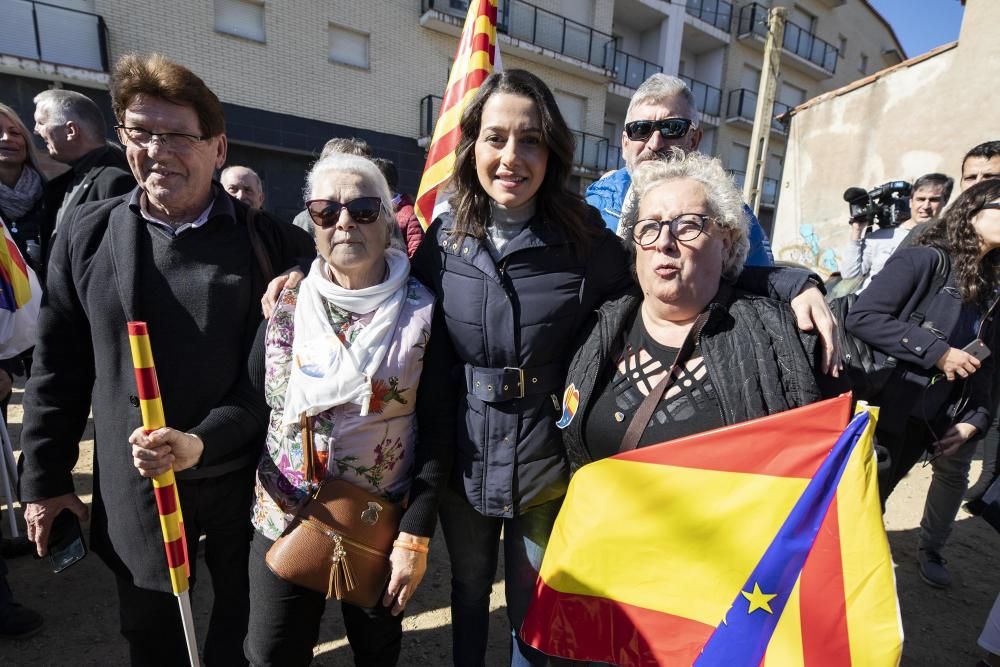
{"x":689,"y":406}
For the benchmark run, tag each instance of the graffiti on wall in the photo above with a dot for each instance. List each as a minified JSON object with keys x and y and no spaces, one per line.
{"x":810,"y":251}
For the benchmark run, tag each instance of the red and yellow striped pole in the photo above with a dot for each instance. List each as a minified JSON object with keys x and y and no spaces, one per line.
{"x":168,"y":502}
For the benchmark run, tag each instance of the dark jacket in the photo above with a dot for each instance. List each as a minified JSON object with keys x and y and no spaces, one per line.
{"x":519,"y":312}
{"x":757,"y":359}
{"x":100,"y":174}
{"x":880,"y":317}
{"x":96,"y":283}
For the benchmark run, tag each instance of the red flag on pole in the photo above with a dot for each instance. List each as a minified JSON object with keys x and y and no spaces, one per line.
{"x":476,"y":58}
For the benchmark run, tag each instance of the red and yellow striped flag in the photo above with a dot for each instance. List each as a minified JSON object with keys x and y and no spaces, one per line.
{"x":168,"y":502}
{"x":476,"y":58}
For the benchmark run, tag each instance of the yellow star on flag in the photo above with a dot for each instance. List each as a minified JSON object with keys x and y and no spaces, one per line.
{"x":758,"y":599}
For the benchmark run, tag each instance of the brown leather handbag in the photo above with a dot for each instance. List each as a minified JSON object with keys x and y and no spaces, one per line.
{"x":339,"y":542}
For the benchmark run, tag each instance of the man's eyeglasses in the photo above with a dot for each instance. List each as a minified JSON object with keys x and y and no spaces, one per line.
{"x":142,"y":138}
{"x":685,"y":227}
{"x":669,"y":128}
{"x":326,"y":212}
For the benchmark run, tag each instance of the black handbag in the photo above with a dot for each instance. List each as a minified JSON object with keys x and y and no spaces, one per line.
{"x":868,"y":375}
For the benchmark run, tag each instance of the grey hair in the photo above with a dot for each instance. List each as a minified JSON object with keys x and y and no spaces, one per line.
{"x":946,"y":183}
{"x":63,"y":106}
{"x":658,"y":88}
{"x":724,"y":199}
{"x":260,"y":183}
{"x":358,"y":166}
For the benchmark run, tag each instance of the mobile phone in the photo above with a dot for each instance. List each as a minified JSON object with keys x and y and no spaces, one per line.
{"x":66,"y":545}
{"x":978,"y":349}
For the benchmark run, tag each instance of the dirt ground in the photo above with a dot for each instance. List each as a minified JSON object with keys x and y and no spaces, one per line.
{"x":81,"y":614}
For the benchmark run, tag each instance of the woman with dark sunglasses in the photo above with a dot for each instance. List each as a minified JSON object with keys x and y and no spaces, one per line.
{"x":343,"y":355}
{"x":938,"y":398}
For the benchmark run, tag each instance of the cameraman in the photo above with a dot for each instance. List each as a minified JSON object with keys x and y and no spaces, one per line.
{"x":865,"y":255}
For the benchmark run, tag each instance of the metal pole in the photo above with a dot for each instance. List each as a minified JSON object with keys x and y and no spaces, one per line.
{"x":187,"y":620}
{"x":761,"y":135}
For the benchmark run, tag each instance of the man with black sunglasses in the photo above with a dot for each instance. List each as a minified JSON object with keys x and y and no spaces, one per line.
{"x":661,"y":115}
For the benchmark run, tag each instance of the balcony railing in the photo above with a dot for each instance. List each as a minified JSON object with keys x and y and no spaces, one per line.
{"x":797,"y":40}
{"x":615,"y":159}
{"x":743,"y":104}
{"x":708,"y":98}
{"x":430,"y":109}
{"x":52,"y":34}
{"x":590,"y":152}
{"x":540,"y":27}
{"x":717,"y":12}
{"x":630,"y":70}
{"x":769,"y":193}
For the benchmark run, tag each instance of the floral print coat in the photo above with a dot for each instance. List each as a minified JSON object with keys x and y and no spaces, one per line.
{"x":374,"y":452}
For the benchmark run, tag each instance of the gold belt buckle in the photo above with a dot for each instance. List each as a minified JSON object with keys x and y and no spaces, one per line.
{"x":520,"y":380}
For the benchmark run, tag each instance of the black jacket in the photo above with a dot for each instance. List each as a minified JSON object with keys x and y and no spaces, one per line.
{"x":880,"y":318}
{"x":100,"y":174}
{"x":758,"y":361}
{"x":96,"y":283}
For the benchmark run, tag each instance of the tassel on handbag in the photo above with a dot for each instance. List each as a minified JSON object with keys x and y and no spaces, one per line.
{"x":340,"y":541}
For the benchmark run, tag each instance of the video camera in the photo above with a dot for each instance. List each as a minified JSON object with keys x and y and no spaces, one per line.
{"x":886,"y":205}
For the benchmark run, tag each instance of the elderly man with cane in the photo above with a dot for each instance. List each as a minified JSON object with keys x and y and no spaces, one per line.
{"x":182,"y":255}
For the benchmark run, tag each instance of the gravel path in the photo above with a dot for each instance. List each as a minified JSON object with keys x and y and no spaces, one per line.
{"x":82,"y":616}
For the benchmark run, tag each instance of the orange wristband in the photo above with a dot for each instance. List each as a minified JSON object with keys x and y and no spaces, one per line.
{"x":412,"y":546}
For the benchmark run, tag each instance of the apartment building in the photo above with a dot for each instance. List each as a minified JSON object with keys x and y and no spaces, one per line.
{"x":293,"y":73}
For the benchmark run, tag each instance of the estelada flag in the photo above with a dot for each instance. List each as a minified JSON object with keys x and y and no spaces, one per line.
{"x":476,"y":58}
{"x":759,"y":543}
{"x":20,"y":297}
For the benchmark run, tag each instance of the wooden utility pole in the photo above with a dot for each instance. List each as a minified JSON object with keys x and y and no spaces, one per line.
{"x":757,"y":161}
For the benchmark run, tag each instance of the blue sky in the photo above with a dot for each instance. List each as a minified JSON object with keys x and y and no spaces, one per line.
{"x":922,"y":25}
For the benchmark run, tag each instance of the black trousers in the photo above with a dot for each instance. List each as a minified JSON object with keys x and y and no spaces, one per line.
{"x":218,"y":508}
{"x":905,"y":450}
{"x":284,"y":621}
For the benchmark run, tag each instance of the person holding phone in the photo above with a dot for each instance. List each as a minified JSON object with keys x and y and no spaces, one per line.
{"x":940,"y":394}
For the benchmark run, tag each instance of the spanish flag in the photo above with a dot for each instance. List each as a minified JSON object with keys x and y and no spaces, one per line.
{"x":476,"y":58}
{"x":759,"y":543}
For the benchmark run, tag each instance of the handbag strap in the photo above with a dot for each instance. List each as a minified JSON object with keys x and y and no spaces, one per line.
{"x":308,"y":450}
{"x":641,"y":417}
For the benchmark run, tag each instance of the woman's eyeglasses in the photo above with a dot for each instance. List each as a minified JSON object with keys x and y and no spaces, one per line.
{"x":669,"y":128}
{"x":992,"y":204}
{"x":326,"y":212}
{"x":685,"y":227}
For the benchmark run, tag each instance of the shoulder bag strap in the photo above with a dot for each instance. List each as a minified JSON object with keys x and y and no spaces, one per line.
{"x":308,"y":450}
{"x":645,"y":411}
{"x":942,"y":267}
{"x":263,"y":260}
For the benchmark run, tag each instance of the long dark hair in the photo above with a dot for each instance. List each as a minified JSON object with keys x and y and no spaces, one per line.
{"x":560,"y":207}
{"x":976,"y":278}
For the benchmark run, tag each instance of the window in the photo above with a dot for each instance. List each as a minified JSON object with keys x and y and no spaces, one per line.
{"x":573,"y":108}
{"x":843,"y":46}
{"x":348,"y":46}
{"x":242,"y":18}
{"x":863,"y":67}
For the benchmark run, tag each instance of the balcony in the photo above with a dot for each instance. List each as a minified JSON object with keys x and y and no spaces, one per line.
{"x":743,"y":106}
{"x":769,"y":195}
{"x":812,"y":54}
{"x":590,"y":154}
{"x":717,"y":13}
{"x":526,"y":23}
{"x":628,"y":70}
{"x":54,"y":35}
{"x":708,"y":98}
